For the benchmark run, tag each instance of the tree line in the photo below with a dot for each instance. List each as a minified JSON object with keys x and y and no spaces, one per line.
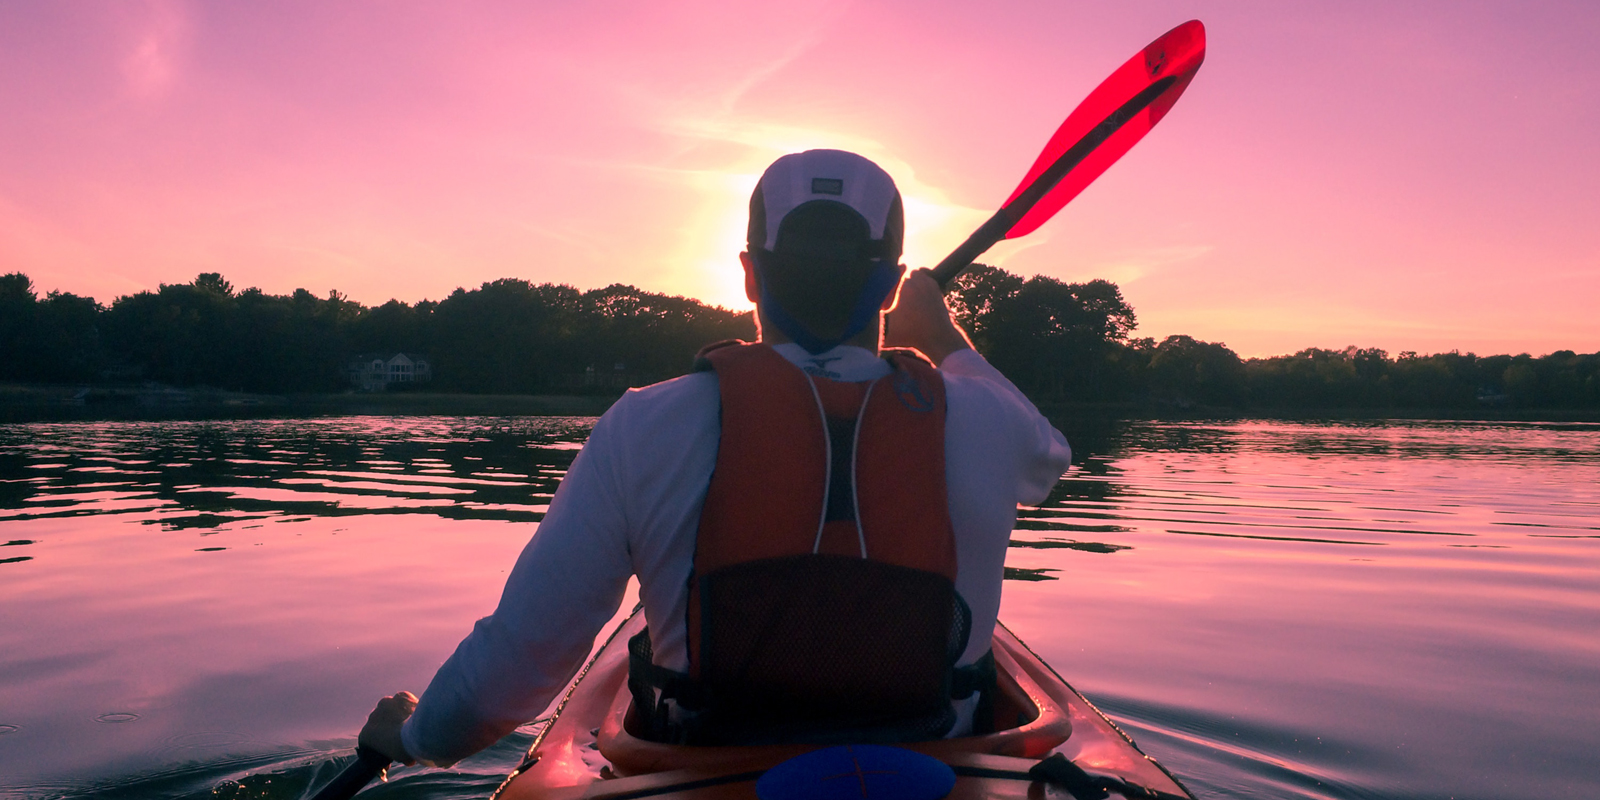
{"x":1072,"y":341}
{"x":506,"y":336}
{"x":1058,"y":341}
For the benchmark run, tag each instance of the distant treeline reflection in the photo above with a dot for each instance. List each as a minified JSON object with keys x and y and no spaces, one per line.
{"x":1058,"y":341}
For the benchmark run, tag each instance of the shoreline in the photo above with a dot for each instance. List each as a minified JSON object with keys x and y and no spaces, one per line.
{"x":25,"y":403}
{"x":1170,"y":413}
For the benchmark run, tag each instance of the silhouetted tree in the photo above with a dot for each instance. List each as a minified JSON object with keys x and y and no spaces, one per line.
{"x":66,"y":346}
{"x":200,"y":333}
{"x":17,"y":326}
{"x":508,"y":335}
{"x":1186,"y":370}
{"x":653,"y":336}
{"x":56,"y":339}
{"x":1052,"y":338}
{"x":395,"y":326}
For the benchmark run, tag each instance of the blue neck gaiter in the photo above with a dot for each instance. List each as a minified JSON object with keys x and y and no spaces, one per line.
{"x":881,"y":280}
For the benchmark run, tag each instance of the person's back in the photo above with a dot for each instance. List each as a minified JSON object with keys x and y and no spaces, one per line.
{"x":819,"y":533}
{"x":823,"y":605}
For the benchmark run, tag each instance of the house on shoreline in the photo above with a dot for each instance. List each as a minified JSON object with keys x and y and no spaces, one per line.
{"x":376,"y":372}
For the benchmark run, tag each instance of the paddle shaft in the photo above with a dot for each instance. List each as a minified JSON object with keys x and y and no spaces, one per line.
{"x":991,"y":232}
{"x":369,"y":764}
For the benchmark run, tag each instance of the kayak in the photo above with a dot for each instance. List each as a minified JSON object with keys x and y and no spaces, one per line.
{"x":1057,"y":745}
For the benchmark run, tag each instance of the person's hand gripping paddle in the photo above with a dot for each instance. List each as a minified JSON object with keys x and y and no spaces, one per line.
{"x":1114,"y":117}
{"x":1110,"y":121}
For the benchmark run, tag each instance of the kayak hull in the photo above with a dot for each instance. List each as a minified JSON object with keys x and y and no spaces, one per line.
{"x":588,"y":750}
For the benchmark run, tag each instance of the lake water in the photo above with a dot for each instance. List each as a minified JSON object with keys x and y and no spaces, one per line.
{"x":1273,"y":610}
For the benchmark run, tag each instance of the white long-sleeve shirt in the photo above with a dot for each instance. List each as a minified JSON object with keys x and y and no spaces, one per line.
{"x":630,"y":505}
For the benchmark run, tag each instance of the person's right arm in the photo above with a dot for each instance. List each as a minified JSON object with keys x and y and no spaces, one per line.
{"x":1011,"y":423}
{"x":1000,"y":452}
{"x":565,"y":586}
{"x":1038,"y":453}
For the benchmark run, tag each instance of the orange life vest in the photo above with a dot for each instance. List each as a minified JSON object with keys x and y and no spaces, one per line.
{"x":822,"y":605}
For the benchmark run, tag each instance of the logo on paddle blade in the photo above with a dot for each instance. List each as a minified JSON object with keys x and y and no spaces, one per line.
{"x":1153,"y":62}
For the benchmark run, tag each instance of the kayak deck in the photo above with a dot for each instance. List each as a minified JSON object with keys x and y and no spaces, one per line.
{"x":587,"y":751}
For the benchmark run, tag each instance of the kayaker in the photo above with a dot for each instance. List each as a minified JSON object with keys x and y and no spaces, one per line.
{"x":819,"y":532}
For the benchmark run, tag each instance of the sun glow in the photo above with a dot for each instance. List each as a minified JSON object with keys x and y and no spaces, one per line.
{"x":705,"y":264}
{"x":934,"y":225}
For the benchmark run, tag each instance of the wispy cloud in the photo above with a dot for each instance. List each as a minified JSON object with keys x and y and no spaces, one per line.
{"x":761,"y":74}
{"x":161,"y":33}
{"x":1132,"y":266}
{"x":593,"y":248}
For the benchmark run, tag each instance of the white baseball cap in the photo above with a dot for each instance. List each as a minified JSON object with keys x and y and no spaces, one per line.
{"x":835,"y":178}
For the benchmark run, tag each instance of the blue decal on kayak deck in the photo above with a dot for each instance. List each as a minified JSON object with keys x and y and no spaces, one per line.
{"x":858,"y":772}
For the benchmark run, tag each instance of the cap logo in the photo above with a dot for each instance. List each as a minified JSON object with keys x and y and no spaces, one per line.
{"x":833,"y":186}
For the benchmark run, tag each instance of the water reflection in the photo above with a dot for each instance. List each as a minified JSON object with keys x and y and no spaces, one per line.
{"x":213,"y":476}
{"x":1329,"y":610}
{"x":1396,"y":609}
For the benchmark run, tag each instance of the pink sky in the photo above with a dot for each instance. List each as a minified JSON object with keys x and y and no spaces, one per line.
{"x":1418,"y":176}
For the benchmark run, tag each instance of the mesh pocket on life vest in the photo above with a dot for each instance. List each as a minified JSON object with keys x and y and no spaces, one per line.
{"x":827,"y":648}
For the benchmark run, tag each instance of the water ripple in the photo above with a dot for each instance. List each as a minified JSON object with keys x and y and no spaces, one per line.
{"x":1331,"y":610}
{"x":210,"y":475}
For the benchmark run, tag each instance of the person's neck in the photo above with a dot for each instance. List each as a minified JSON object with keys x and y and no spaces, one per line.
{"x":869,"y":339}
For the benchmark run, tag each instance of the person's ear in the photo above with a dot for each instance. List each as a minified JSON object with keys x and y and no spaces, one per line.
{"x":752,"y":286}
{"x":889,"y":300}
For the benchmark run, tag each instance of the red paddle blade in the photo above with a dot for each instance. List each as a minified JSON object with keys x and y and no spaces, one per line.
{"x":1173,"y":58}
